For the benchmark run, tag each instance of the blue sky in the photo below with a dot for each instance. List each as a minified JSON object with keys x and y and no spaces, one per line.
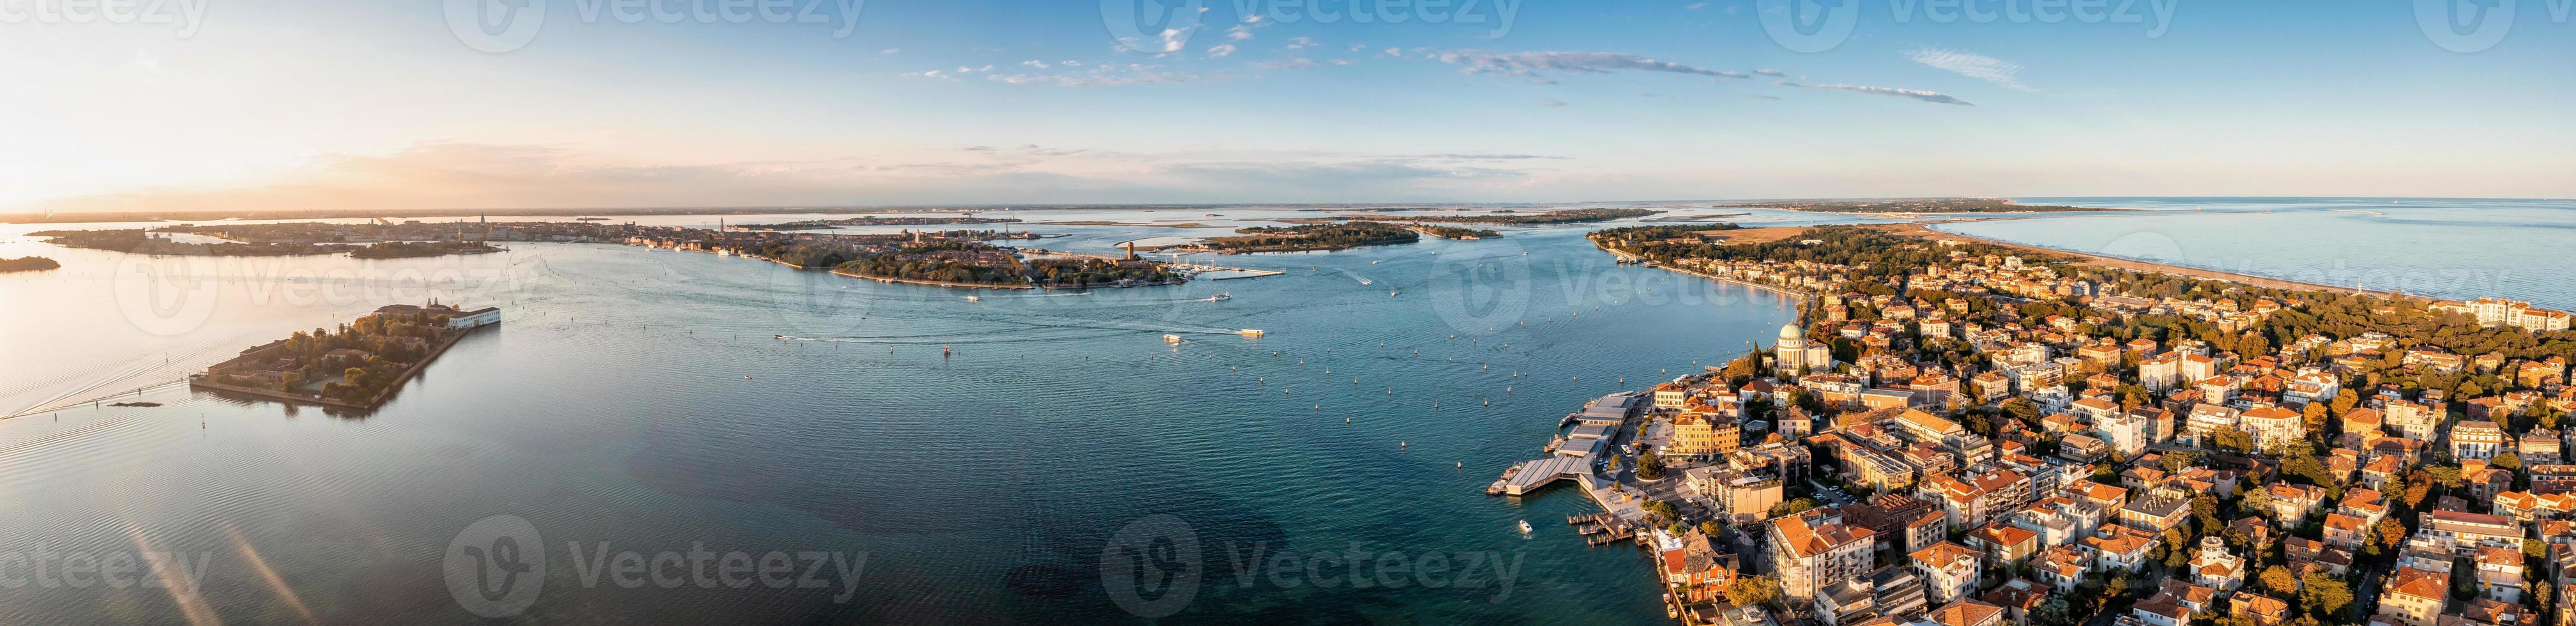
{"x":384,"y":105}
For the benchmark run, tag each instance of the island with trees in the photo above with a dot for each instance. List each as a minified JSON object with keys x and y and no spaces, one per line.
{"x":873,"y":220}
{"x":1456,"y":232}
{"x":1312,"y":237}
{"x":355,"y":366}
{"x":411,"y":249}
{"x":1914,"y":205}
{"x":1508,"y":217}
{"x":28,"y":264}
{"x":145,"y":241}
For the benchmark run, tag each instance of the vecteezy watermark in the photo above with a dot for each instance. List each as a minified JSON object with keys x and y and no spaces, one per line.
{"x":506,"y":25}
{"x":1165,"y":26}
{"x":41,"y":568}
{"x":1358,"y":566}
{"x":1152,"y":568}
{"x":2466,"y":26}
{"x":1478,"y":288}
{"x":1820,"y":25}
{"x":497,"y":567}
{"x":186,"y":15}
{"x":170,"y":295}
{"x":1499,"y":13}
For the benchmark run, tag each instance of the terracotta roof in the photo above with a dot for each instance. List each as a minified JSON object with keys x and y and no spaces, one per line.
{"x":1943,"y":554}
{"x":2420,"y":583}
{"x":1967,"y":613}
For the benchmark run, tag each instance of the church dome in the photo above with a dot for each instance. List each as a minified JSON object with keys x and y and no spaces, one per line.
{"x":1790,"y":332}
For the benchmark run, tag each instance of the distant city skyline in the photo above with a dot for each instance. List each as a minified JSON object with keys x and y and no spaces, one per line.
{"x":356,"y":106}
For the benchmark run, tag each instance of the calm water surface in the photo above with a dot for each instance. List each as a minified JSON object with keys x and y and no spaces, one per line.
{"x":613,"y":406}
{"x":2447,"y":248}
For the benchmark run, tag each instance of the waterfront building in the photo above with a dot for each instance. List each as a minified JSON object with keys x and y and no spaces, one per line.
{"x":1795,"y":354}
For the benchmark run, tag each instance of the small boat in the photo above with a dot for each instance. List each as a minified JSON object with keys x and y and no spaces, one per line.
{"x":1395,"y":292}
{"x":746,"y":377}
{"x":778,"y":336}
{"x":1220,"y":297}
{"x":1250,"y":332}
{"x":974,"y":298}
{"x":1172,"y":338}
{"x":1525,"y":527}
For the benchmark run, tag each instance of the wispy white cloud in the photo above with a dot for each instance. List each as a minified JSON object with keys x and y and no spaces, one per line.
{"x":1770,"y":72}
{"x":1536,"y":63}
{"x":1220,"y":50}
{"x":1112,"y":75}
{"x":1695,"y":6}
{"x":1917,"y":94}
{"x":1285,"y":64}
{"x":1981,"y":67}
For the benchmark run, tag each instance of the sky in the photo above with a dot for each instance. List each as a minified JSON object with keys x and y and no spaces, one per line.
{"x":243,"y":106}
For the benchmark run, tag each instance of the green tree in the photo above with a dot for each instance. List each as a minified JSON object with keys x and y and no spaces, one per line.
{"x":2506,"y":461}
{"x":2325,"y":595}
{"x":2279,"y":579}
{"x":2391,"y":533}
{"x":2176,"y":460}
{"x":2257,"y":501}
{"x":1760,"y":590}
{"x":1650,"y":466}
{"x":2055,"y":612}
{"x":2023,"y":410}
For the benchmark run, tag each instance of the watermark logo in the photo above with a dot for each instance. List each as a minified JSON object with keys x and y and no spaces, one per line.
{"x":1820,"y":25}
{"x":496,"y":567}
{"x":498,"y":26}
{"x":43,"y":568}
{"x":1808,"y":25}
{"x":1151,"y":25}
{"x":1477,"y":288}
{"x":185,"y":15}
{"x":1151,"y":568}
{"x":165,"y":296}
{"x":2465,"y":26}
{"x":495,"y":25}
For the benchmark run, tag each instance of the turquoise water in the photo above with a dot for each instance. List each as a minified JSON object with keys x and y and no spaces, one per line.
{"x":2447,"y":248}
{"x":613,"y":406}
{"x":637,"y":397}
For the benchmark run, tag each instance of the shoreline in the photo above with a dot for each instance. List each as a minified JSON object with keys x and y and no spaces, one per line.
{"x":373,"y":403}
{"x":2137,"y":265}
{"x":932,"y":283}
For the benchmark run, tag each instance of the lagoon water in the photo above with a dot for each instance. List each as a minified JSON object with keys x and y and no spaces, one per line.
{"x":636,"y":398}
{"x":2446,"y":248}
{"x":612,"y":407}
